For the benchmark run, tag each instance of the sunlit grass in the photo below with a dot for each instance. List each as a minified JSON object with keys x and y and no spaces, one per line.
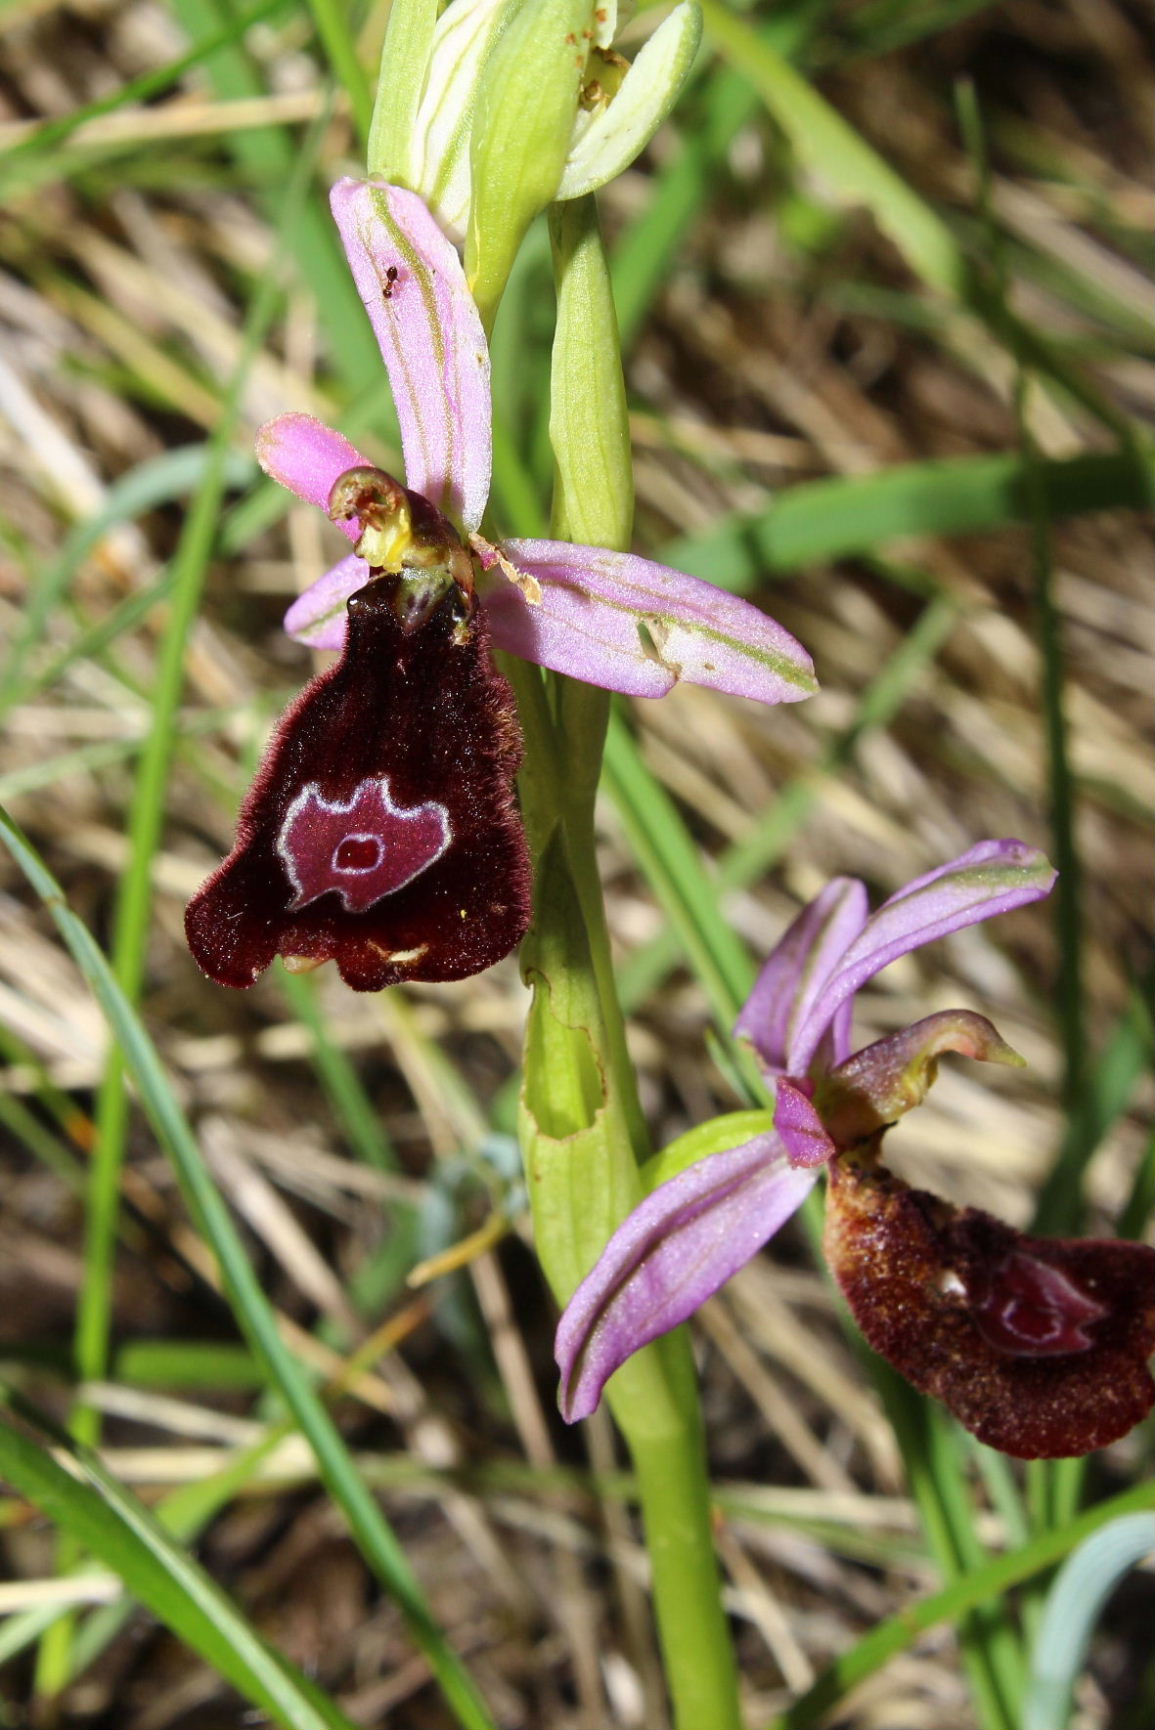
{"x":930,"y":468}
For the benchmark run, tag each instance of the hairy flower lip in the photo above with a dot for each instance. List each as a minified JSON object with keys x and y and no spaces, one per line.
{"x":397,"y":852}
{"x":1039,"y":1346}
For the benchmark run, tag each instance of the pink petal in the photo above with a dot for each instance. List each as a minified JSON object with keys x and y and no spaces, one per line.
{"x":306,"y":456}
{"x":802,"y":1131}
{"x":884,"y":1081}
{"x":318,"y":617}
{"x":993,"y":877}
{"x":630,"y":625}
{"x":798,"y":969}
{"x":671,"y":1254}
{"x":431,"y":339}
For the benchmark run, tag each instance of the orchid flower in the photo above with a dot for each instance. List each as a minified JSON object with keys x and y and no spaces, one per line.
{"x":609,"y":618}
{"x":1038,"y":1346}
{"x":381,"y":830}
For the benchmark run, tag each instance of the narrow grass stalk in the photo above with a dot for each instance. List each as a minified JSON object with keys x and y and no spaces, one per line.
{"x":990,"y":1646}
{"x":1064,"y":846}
{"x":253,"y":1312}
{"x":146,"y":822}
{"x":118,"y":1528}
{"x":337,"y":38}
{"x":1054,"y":1487}
{"x":134,"y":911}
{"x":1064,"y":850}
{"x":986,"y":1585}
{"x":267,"y":156}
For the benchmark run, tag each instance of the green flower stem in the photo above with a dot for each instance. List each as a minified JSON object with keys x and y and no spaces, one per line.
{"x":542,"y":770}
{"x":593,"y":504}
{"x":582,"y":1124}
{"x":667,"y":1445}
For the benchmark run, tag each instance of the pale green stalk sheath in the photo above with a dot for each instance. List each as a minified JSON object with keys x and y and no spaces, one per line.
{"x":525,"y":113}
{"x":582,"y":1126}
{"x":593,"y":502}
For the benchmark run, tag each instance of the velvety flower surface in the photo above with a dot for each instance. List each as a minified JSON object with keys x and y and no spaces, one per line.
{"x":1039,"y":1346}
{"x":1013,"y":1333}
{"x":609,"y":618}
{"x":381,"y":831}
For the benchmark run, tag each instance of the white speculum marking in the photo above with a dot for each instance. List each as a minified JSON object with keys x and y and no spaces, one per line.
{"x":362,"y":849}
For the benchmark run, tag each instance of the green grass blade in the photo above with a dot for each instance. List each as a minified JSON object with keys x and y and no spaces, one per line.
{"x":146,"y":820}
{"x":832,"y":148}
{"x":891,"y":24}
{"x":935,"y":1472}
{"x":102,"y":1517}
{"x":52,"y":133}
{"x":158,"y":481}
{"x":1107,"y":1091}
{"x":354,"y":1109}
{"x":250,"y":1305}
{"x":831,"y":519}
{"x":1074,"y":1604}
{"x":52,"y":1152}
{"x":646,"y":252}
{"x":673,"y":865}
{"x":266,"y":156}
{"x":339,"y":43}
{"x":1135,"y":1219}
{"x":183,"y":1514}
{"x":988,"y":1584}
{"x":214,"y":1365}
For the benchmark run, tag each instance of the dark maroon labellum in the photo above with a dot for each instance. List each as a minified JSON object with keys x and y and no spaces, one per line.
{"x":1037,"y":1345}
{"x":381,"y":830}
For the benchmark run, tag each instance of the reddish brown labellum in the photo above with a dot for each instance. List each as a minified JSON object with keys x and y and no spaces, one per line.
{"x":1037,"y":1345}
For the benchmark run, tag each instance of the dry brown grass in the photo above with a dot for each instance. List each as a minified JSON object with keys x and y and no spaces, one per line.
{"x":122,"y":278}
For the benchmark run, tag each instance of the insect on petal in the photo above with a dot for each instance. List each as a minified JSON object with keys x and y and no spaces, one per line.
{"x":432,"y":342}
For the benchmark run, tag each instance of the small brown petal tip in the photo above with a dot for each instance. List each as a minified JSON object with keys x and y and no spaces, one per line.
{"x":1039,"y":1346}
